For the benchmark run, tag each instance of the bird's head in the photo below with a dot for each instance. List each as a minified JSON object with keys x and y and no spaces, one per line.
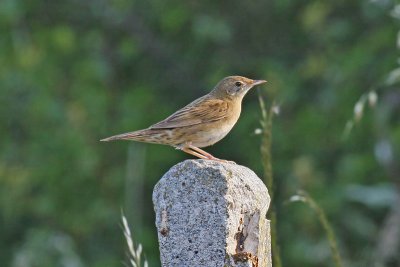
{"x":235,"y":87}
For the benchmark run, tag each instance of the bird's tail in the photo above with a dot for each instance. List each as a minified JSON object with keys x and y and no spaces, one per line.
{"x":146,"y":135}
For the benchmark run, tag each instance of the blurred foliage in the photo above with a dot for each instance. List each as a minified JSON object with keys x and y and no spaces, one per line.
{"x":72,"y":72}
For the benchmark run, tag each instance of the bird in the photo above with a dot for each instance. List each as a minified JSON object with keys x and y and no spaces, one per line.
{"x":202,"y":123}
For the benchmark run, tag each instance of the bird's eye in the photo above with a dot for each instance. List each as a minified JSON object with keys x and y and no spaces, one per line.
{"x":238,"y":84}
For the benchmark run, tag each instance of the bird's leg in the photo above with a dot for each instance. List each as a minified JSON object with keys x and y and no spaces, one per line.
{"x":202,"y":152}
{"x":194,"y":153}
{"x":208,"y":155}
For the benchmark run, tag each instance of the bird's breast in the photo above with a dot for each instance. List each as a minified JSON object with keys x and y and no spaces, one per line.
{"x":213,"y":132}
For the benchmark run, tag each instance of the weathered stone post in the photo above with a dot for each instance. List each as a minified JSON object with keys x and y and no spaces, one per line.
{"x":212,"y":214}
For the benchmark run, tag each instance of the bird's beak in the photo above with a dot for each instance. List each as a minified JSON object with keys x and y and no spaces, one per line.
{"x":257,"y":82}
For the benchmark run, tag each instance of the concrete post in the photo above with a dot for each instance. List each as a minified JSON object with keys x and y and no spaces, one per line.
{"x":210,"y":214}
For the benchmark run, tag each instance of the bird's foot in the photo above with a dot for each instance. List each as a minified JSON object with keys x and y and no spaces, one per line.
{"x":223,"y":160}
{"x":195,"y":151}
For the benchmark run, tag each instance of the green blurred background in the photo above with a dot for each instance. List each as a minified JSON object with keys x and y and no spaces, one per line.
{"x":73,"y":72}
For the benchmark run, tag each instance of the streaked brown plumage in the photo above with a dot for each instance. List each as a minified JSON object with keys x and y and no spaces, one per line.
{"x":202,"y":123}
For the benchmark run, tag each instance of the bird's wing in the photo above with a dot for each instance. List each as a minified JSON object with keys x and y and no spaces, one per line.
{"x":202,"y":110}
